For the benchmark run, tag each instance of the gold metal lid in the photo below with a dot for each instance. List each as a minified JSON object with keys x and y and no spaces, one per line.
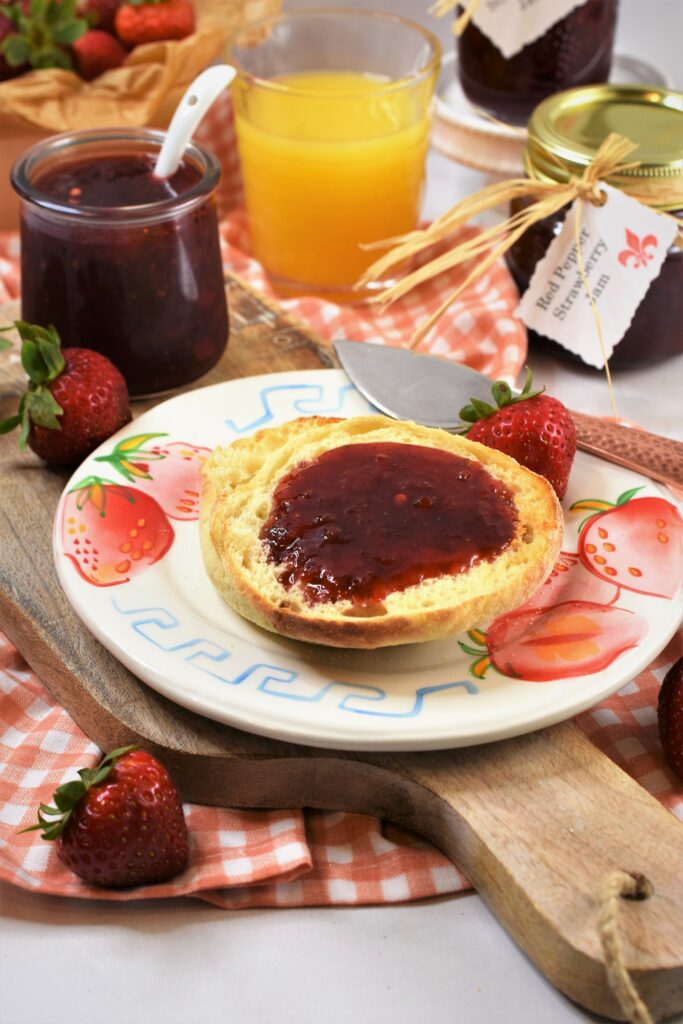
{"x":566,"y":130}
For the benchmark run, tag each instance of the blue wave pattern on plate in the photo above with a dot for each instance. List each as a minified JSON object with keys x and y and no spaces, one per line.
{"x":272,"y":680}
{"x":315,"y":400}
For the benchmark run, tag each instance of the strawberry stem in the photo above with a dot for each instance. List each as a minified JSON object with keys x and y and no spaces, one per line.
{"x":53,"y":820}
{"x":42,"y":37}
{"x":503,"y":396}
{"x":43,"y":362}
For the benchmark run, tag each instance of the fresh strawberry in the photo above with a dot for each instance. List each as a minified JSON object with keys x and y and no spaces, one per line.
{"x":42,"y":34}
{"x":100,"y":13}
{"x":533,"y":428}
{"x":76,"y":398}
{"x":636,"y":543}
{"x":168,"y":471}
{"x":151,"y":21}
{"x":670,"y":717}
{"x":112,"y":532}
{"x":97,"y":51}
{"x":120,"y":824}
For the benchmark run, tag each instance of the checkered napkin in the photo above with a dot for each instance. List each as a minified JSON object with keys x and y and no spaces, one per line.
{"x":271,"y":858}
{"x":237,"y":858}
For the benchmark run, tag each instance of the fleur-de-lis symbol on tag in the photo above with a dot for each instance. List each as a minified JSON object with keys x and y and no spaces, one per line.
{"x":637,"y":254}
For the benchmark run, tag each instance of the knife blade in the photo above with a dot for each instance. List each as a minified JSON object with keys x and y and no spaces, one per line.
{"x":410,"y":385}
{"x":407,"y":385}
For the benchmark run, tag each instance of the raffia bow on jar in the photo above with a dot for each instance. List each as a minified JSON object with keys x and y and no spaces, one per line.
{"x":588,"y":232}
{"x":443,"y":7}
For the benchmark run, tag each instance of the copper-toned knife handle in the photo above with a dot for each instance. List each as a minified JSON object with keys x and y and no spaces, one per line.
{"x":660,"y":458}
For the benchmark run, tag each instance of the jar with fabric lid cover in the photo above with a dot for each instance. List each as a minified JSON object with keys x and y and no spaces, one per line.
{"x":565,"y":132}
{"x":574,"y":51}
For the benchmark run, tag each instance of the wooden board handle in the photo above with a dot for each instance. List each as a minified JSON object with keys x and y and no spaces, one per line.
{"x":537,"y":823}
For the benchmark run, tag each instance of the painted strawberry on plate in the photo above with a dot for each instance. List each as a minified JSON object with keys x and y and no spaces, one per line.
{"x":574,"y":638}
{"x":168,"y":470}
{"x":112,"y":532}
{"x":569,"y":580}
{"x":635,"y":543}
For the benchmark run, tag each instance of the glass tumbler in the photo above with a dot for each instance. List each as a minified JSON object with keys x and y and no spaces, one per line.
{"x":332,"y":114}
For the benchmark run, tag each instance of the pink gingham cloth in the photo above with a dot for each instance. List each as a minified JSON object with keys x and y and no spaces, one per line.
{"x":237,"y":858}
{"x":288,"y":858}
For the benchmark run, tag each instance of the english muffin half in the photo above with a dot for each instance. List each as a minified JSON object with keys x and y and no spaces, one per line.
{"x":367,"y":532}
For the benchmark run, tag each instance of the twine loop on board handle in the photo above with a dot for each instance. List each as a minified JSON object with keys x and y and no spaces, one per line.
{"x":614,"y":886}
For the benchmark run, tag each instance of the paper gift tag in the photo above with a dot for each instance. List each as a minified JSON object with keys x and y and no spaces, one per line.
{"x":623,"y":245}
{"x":511,"y":24}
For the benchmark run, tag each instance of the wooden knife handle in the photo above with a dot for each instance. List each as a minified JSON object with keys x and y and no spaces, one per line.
{"x":657,"y":457}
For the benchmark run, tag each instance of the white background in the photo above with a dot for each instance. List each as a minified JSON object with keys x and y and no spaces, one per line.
{"x":445,"y":961}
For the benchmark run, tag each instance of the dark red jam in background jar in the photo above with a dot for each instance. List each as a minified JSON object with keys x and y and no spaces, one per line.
{"x":575,"y":51}
{"x":565,"y":132}
{"x":120,"y":261}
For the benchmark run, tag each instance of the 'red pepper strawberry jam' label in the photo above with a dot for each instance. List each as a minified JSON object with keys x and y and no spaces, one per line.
{"x":364,"y":520}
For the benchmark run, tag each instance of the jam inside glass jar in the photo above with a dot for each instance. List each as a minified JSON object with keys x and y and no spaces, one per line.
{"x":120,"y":261}
{"x":575,"y":51}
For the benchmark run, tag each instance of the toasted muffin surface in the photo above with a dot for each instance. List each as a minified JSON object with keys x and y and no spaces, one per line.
{"x":238,"y":487}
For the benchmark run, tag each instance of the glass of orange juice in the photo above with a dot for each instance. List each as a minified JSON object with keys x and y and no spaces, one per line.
{"x":332,"y":110}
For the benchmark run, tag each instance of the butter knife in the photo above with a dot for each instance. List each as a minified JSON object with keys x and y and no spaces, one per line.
{"x":410,"y":385}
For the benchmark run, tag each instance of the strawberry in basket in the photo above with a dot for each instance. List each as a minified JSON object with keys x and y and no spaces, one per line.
{"x":100,"y":13}
{"x":97,"y":51}
{"x":40,"y":35}
{"x":150,"y":21}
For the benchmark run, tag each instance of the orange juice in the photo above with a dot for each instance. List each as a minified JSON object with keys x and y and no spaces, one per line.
{"x":330,"y":160}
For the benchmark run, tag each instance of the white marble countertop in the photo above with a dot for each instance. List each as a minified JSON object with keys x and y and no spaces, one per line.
{"x":181,"y":962}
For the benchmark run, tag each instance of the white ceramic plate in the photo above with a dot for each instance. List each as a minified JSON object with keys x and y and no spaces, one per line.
{"x":170,"y":627}
{"x":470,"y":138}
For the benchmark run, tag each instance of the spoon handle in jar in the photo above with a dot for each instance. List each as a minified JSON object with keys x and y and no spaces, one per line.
{"x":659,"y":458}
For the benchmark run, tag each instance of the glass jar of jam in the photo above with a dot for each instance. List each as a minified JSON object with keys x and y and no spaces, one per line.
{"x":575,"y":51}
{"x":121,"y":261}
{"x":565,"y":132}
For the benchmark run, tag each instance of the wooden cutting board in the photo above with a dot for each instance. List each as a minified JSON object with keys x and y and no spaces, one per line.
{"x":536,"y":822}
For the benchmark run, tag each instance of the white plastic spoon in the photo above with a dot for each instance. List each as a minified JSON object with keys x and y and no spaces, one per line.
{"x":196,"y":101}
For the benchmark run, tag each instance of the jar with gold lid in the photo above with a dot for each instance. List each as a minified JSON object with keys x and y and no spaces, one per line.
{"x":565,"y":132}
